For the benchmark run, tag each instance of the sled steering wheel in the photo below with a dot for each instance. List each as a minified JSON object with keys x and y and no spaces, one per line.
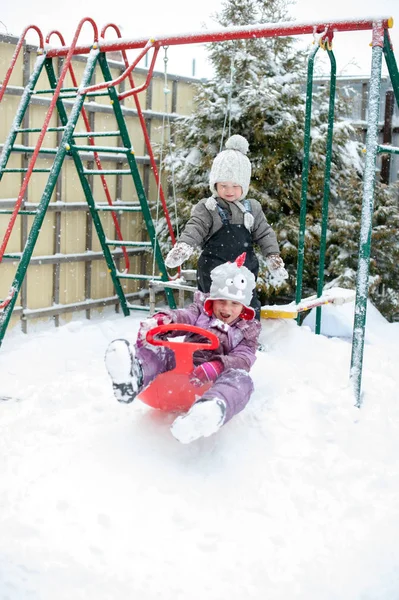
{"x":173,"y":390}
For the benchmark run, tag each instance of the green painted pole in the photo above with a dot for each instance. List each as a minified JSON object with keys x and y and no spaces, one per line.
{"x":326,"y":191}
{"x":363,"y":267}
{"x":19,"y":117}
{"x":305,"y":177}
{"x":392,"y":65}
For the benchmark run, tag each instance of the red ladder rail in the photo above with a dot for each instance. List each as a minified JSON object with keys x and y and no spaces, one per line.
{"x":96,"y":156}
{"x":16,"y":54}
{"x":43,"y":132}
{"x":134,"y":91}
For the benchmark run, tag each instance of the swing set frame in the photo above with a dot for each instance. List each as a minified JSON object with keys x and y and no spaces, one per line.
{"x":324,"y":33}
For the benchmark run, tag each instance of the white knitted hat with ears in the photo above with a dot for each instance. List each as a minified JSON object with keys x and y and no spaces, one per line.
{"x":232,"y":165}
{"x":232,"y":281}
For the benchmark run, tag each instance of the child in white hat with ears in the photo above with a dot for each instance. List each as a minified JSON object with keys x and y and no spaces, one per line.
{"x":226,"y":312}
{"x":227,"y":224}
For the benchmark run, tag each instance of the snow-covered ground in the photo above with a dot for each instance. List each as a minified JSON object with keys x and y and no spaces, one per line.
{"x":297,"y":498}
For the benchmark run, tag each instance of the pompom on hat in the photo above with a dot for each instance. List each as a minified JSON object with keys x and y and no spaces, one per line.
{"x":232,"y":165}
{"x":232,"y":281}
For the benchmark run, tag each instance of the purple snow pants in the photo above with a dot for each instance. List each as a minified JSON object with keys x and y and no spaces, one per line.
{"x":234,"y":386}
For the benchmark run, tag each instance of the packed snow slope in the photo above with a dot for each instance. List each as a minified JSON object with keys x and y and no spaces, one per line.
{"x":297,"y":498}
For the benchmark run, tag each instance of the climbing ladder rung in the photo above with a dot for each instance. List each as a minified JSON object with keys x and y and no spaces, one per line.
{"x":174,"y":285}
{"x":63,"y":96}
{"x":36,"y":129}
{"x":388,"y":149}
{"x":78,"y":134}
{"x":67,"y":92}
{"x":138,"y":307}
{"x":8,"y":211}
{"x":99,"y":149}
{"x":107,"y":172}
{"x":130,"y":244}
{"x":52,"y":90}
{"x":82,"y":134}
{"x":20,"y":148}
{"x":16,"y":256}
{"x":118,"y":208}
{"x":138,"y":276}
{"x":25,"y":170}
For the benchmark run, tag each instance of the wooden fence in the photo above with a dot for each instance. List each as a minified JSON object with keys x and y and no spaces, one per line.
{"x":67,"y":272}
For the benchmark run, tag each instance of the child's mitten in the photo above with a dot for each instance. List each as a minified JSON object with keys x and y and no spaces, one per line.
{"x":150,"y":323}
{"x":278,"y":273}
{"x":178,"y":255}
{"x":208,"y":371}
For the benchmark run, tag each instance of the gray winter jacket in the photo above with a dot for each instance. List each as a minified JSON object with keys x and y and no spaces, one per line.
{"x":204,"y":222}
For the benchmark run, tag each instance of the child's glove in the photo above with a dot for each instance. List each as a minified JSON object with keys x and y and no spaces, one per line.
{"x":278,"y":273}
{"x":208,"y":371}
{"x":178,"y":255}
{"x":150,"y":323}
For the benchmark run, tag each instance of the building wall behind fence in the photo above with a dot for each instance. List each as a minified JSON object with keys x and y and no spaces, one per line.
{"x":354,"y":91}
{"x":67,"y":271}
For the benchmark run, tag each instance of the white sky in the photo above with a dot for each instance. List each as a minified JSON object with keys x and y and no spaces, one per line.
{"x":175,"y":17}
{"x":296,"y":498}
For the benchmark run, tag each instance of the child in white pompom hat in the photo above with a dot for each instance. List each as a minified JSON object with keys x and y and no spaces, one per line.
{"x":227,"y":224}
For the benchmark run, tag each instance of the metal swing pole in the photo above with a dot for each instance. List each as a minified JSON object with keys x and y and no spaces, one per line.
{"x":363,"y":267}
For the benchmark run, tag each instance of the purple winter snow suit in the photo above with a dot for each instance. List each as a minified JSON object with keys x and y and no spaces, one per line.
{"x":237,"y":352}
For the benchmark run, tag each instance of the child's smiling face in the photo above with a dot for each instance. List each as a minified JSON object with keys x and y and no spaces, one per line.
{"x":227,"y":310}
{"x":229,"y":191}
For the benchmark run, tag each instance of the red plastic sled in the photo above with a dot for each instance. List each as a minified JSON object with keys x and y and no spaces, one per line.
{"x":172,"y":390}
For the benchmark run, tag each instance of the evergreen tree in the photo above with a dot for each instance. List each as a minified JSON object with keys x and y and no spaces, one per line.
{"x":343,"y":244}
{"x":258,"y":92}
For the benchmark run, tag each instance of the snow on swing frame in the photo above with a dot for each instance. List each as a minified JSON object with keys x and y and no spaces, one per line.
{"x":323,"y":32}
{"x":261,"y":30}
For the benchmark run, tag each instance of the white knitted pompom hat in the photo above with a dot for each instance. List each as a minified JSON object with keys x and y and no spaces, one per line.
{"x":232,"y":165}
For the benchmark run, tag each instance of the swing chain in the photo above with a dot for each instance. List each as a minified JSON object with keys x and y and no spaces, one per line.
{"x":165,"y":123}
{"x":165,"y":60}
{"x":170,"y":142}
{"x":228,"y":104}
